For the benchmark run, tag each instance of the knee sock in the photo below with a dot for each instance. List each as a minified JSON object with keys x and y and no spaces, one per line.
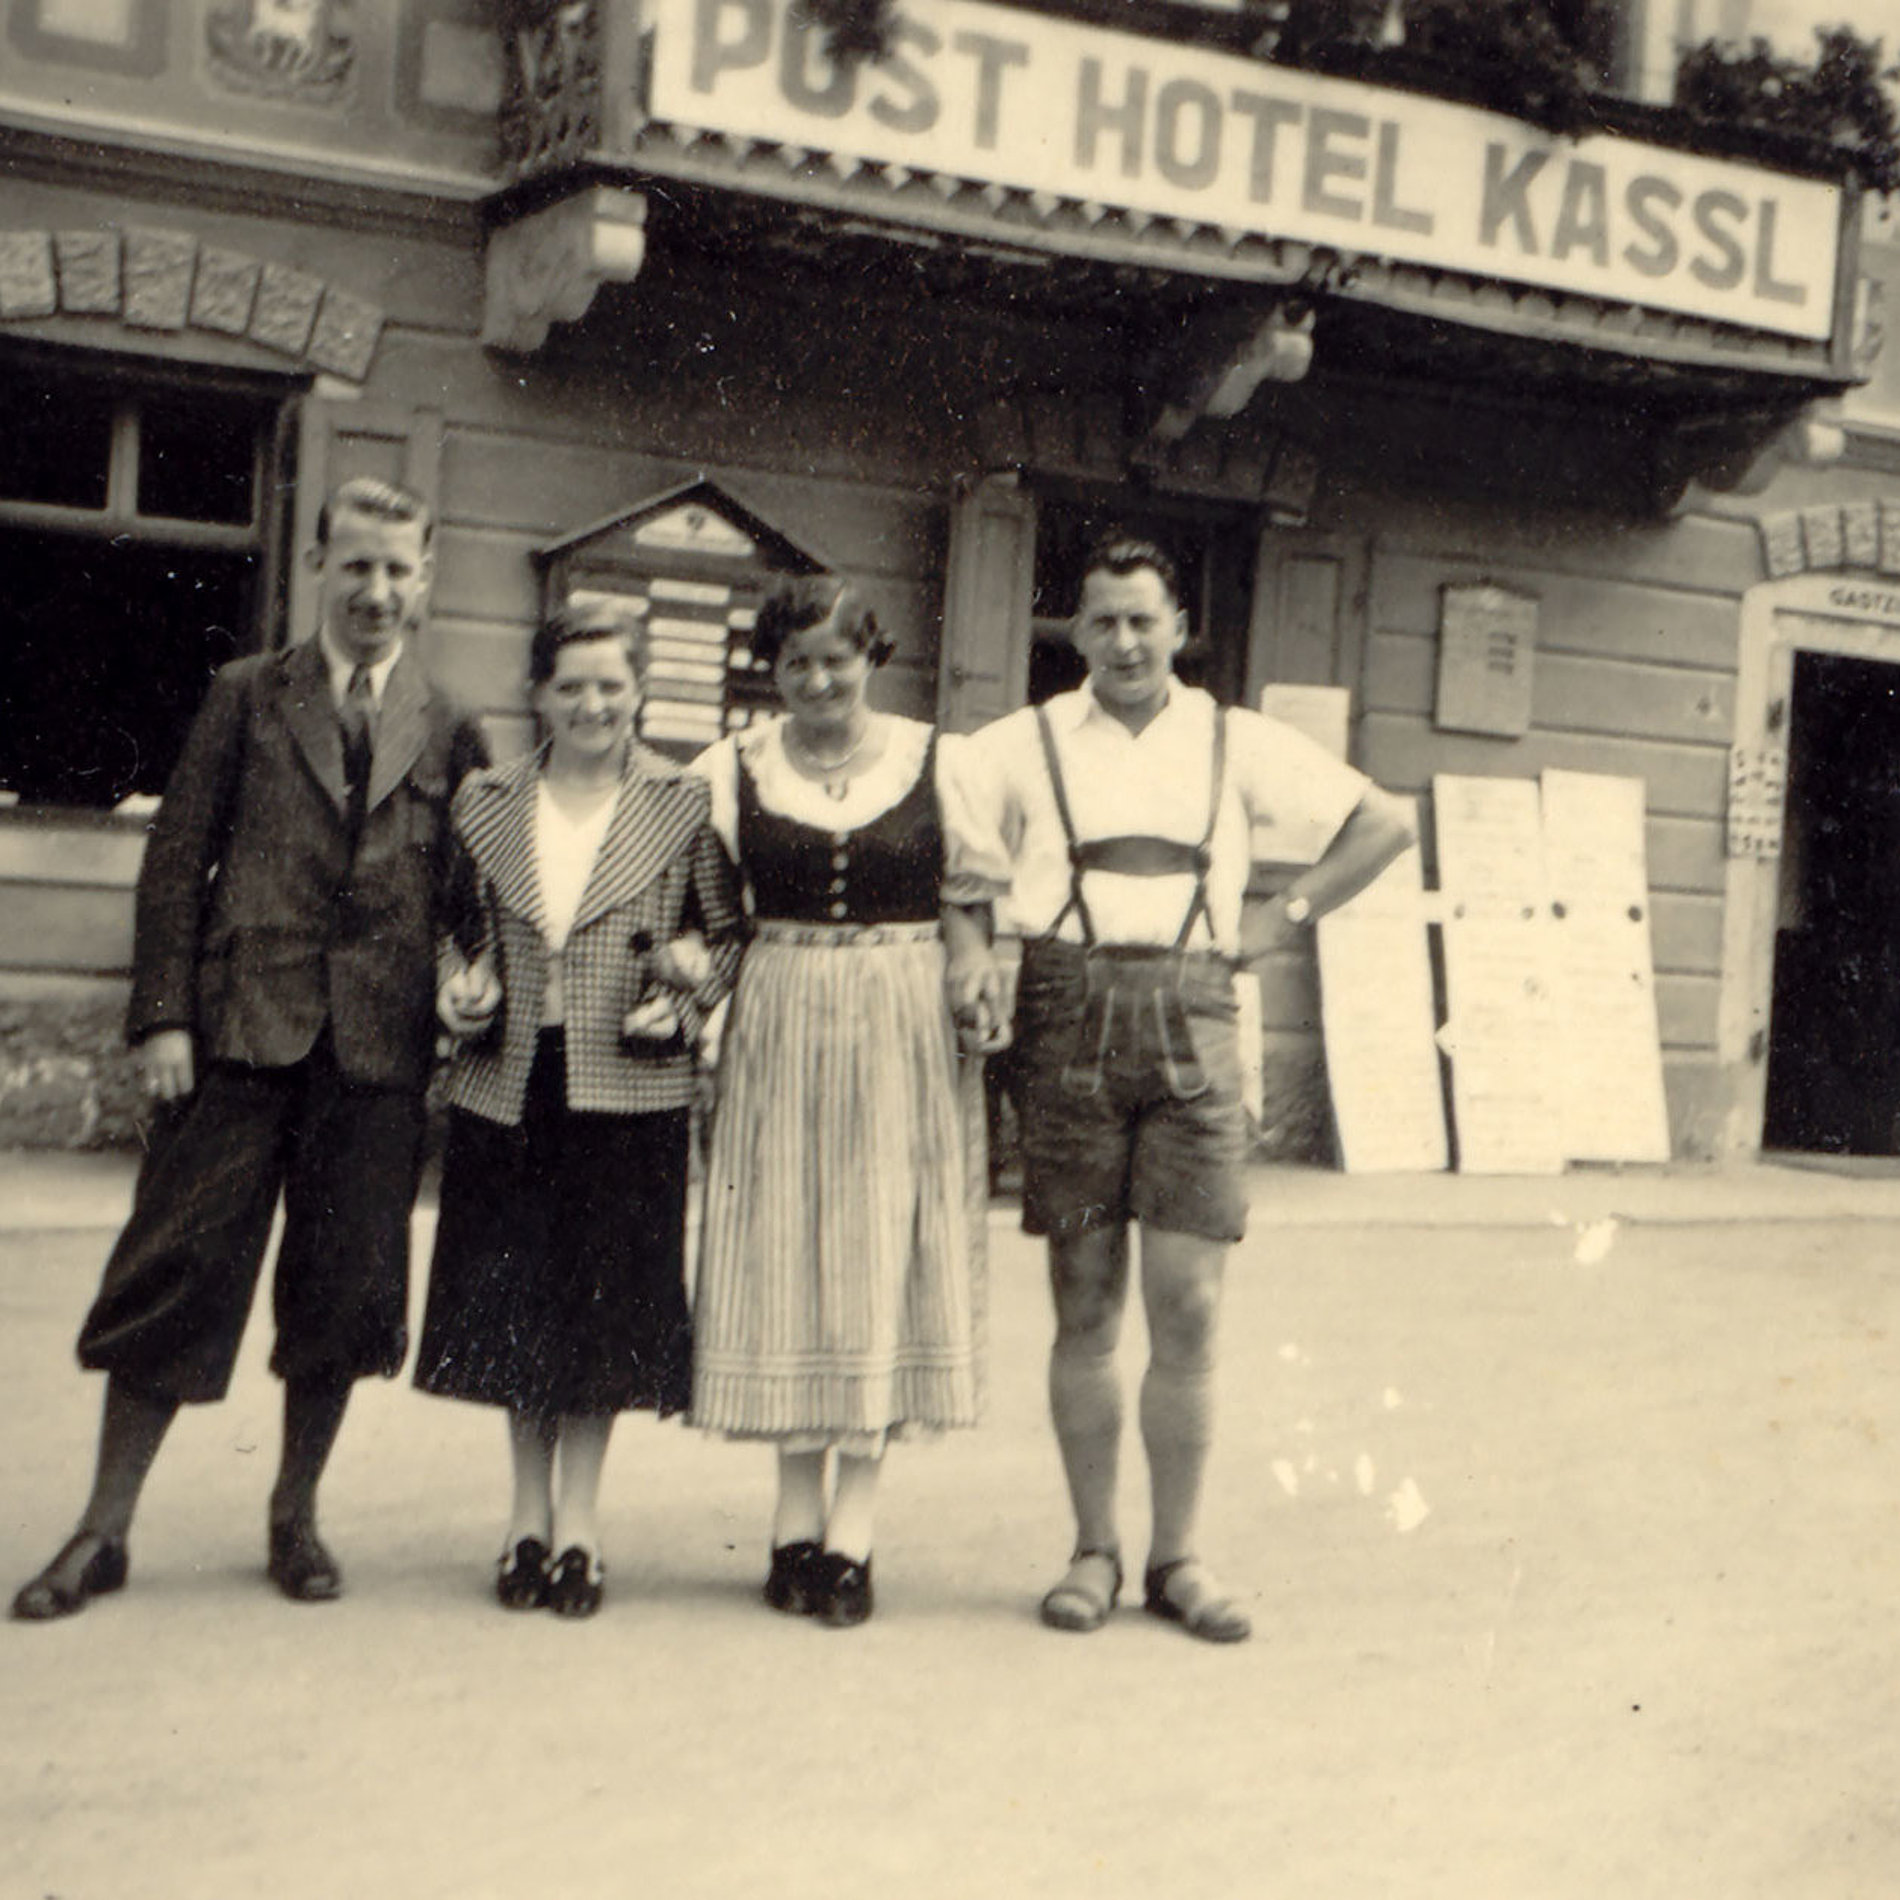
{"x":1177,"y":1427}
{"x":1085,"y":1401}
{"x":131,"y":1429}
{"x":313,"y":1414}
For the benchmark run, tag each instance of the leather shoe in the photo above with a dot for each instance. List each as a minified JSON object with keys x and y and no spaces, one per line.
{"x":55,"y":1592}
{"x":576,"y":1583}
{"x":521,"y":1577}
{"x":300,"y":1566}
{"x":847,"y":1599}
{"x":795,"y":1583}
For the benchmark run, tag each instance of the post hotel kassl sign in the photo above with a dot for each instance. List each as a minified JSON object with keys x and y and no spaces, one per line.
{"x":1008,"y":97}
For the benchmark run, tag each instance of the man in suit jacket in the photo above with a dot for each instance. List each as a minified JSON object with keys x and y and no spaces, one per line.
{"x":283,"y":1010}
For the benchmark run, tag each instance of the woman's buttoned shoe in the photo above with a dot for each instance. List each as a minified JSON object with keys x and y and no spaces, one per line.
{"x":794,"y":1584}
{"x":62,"y":1589}
{"x":845,"y":1598}
{"x":521,"y":1576}
{"x":576,"y":1583}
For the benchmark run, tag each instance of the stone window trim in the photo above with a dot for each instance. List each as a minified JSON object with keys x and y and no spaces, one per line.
{"x":155,"y":279}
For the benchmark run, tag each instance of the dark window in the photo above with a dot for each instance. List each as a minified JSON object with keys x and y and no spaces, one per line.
{"x":197,"y":458}
{"x":56,"y":446}
{"x":133,"y":521}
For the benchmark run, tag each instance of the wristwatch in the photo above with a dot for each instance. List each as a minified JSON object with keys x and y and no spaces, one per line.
{"x":1298,"y":910}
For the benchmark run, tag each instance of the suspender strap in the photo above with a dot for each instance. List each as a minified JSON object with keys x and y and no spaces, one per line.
{"x":1137,"y":856}
{"x":1077,"y":902}
{"x":1204,"y":856}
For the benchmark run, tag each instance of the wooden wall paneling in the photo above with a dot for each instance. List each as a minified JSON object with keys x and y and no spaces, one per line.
{"x":1580,"y":614}
{"x":1685,"y":1011}
{"x":1403,"y":751}
{"x":1695,"y":554}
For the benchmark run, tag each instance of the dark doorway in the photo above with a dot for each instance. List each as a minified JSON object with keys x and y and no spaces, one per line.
{"x":1834,"y":1034}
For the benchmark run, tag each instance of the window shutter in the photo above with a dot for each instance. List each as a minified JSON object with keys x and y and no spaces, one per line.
{"x":987,"y":596}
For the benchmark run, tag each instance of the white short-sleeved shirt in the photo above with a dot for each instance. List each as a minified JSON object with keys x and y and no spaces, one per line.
{"x":1001,"y":817}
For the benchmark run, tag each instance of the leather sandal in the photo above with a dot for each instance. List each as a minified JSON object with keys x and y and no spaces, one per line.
{"x":1203,"y":1608}
{"x":54,"y":1594}
{"x":1077,"y":1603}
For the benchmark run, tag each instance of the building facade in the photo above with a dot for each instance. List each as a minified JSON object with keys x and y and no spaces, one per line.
{"x":651,"y":295}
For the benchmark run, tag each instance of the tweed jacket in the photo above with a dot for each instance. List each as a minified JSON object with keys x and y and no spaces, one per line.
{"x":263,"y":911}
{"x":661,"y":870}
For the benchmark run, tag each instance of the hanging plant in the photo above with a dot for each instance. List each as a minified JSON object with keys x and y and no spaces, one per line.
{"x":854,"y":30}
{"x":1840,"y":99}
{"x":1540,"y":60}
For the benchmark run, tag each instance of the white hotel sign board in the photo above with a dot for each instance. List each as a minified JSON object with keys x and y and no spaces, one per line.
{"x":1006,"y":96}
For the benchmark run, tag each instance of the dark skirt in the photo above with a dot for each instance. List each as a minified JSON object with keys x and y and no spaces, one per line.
{"x":558,"y":1282}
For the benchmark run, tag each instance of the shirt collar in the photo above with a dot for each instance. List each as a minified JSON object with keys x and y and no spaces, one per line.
{"x":1073,"y":710}
{"x":341,"y":666}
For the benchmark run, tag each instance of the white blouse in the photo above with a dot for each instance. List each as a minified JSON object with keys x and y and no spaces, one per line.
{"x":565,"y":850}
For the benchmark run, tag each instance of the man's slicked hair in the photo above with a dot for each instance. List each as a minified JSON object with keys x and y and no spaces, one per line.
{"x":378,"y":501}
{"x":1118,"y":552}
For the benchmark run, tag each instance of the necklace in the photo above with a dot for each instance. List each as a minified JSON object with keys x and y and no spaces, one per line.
{"x":832,"y":774}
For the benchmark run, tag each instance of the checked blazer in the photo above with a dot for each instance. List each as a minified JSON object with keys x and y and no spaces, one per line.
{"x":661,"y":870}
{"x":268,"y":907}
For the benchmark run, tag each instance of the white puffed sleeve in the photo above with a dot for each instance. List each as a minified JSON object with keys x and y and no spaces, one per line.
{"x":718,"y":765}
{"x":974,"y":796}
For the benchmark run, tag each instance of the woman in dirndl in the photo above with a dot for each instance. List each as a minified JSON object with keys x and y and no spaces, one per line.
{"x":601,"y":925}
{"x":840,"y":1277}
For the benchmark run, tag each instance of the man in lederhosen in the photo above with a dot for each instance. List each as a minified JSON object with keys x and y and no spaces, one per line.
{"x":1117,"y":819}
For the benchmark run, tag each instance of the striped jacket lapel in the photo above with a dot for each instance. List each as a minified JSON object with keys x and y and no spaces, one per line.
{"x":496,"y":820}
{"x":659,"y":808}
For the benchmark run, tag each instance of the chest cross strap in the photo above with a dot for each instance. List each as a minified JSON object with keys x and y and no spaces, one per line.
{"x":1136,"y":855}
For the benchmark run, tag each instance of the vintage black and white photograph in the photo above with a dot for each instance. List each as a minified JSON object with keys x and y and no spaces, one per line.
{"x":949,"y":948}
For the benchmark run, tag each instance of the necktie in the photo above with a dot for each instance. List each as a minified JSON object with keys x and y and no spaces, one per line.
{"x":358,"y":720}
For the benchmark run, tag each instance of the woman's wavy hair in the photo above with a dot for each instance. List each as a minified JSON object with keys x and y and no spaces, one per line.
{"x":813,"y":600}
{"x":588,"y":617}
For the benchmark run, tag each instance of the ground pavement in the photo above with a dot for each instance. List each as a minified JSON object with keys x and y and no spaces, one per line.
{"x":1569,"y":1513}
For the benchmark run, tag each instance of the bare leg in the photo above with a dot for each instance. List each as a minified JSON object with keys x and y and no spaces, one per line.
{"x":854,"y":1506}
{"x":1181,"y":1282}
{"x":531,"y":1455}
{"x":1088,"y":1278}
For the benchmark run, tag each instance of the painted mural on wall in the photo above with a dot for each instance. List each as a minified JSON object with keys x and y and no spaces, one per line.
{"x":363,"y":82}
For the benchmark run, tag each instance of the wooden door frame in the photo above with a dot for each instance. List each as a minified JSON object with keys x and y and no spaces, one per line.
{"x":1852,"y":613}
